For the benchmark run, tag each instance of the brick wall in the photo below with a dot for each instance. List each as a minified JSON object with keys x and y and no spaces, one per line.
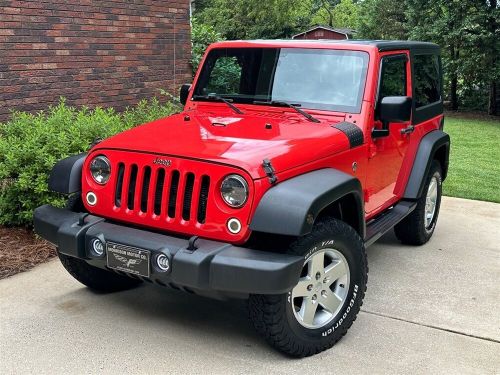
{"x":108,"y":53}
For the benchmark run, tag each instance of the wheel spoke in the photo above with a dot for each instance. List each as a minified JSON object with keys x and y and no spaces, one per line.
{"x":335,"y":271}
{"x":432,"y":188}
{"x":330,"y":301}
{"x":300,"y":289}
{"x":316,"y":264}
{"x":308,"y":310}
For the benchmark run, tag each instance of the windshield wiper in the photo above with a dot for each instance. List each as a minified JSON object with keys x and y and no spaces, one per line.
{"x":217,"y":98}
{"x":293,"y":106}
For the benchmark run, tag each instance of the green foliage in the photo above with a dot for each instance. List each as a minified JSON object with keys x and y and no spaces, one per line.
{"x":30,"y":145}
{"x":225,"y":77}
{"x":343,"y":13}
{"x":202,"y":36}
{"x":383,"y":19}
{"x":243,"y":19}
{"x":466,"y":30}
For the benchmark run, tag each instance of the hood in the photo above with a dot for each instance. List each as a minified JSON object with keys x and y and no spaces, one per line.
{"x":287,"y":139}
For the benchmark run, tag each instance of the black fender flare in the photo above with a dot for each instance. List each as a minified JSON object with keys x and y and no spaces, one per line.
{"x":292,"y":206}
{"x":426,"y":152}
{"x":66,"y":175}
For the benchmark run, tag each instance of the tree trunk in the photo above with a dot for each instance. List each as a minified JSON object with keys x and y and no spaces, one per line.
{"x":492,"y":105}
{"x":453,"y":91}
{"x":326,"y":6}
{"x":453,"y":81}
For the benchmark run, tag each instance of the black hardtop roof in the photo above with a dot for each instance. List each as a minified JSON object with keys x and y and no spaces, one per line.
{"x":390,"y":45}
{"x":381,"y":45}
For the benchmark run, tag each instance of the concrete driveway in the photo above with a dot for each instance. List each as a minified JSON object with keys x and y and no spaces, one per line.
{"x":430,"y":309}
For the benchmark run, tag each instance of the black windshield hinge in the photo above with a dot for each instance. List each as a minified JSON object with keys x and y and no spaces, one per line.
{"x":270,"y":172}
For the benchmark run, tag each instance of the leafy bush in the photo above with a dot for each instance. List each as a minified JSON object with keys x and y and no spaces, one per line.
{"x":201,"y":36}
{"x":31,"y":144}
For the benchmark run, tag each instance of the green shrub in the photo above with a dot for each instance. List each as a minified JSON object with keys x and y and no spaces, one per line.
{"x":31,"y":144}
{"x":201,"y":36}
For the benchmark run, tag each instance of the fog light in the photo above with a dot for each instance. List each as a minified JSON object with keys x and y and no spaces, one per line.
{"x":91,"y":198}
{"x":234,"y":226}
{"x":162,"y":262}
{"x":97,"y":247}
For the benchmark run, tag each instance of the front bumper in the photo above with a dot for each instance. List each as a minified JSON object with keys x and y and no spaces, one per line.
{"x":214,"y":268}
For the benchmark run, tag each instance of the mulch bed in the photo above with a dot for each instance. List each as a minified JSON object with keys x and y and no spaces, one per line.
{"x":21,"y":250}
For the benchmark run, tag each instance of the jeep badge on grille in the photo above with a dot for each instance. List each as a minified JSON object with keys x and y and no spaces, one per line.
{"x":164,"y":162}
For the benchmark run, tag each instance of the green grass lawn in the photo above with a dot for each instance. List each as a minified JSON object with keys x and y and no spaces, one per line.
{"x":474,"y":171}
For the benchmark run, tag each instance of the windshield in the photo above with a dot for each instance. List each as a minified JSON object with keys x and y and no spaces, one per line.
{"x":312,"y":78}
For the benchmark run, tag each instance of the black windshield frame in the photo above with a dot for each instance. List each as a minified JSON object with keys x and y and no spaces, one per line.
{"x":247,"y":57}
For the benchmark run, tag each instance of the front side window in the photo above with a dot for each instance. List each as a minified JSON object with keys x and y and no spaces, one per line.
{"x":393,"y":76}
{"x":427,"y":82}
{"x":312,"y":78}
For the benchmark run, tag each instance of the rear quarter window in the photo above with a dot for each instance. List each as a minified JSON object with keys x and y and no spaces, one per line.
{"x":426,"y":80}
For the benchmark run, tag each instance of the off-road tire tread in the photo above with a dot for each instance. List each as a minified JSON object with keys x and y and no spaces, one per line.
{"x":96,"y":278}
{"x":265,"y":311}
{"x":411,"y":230}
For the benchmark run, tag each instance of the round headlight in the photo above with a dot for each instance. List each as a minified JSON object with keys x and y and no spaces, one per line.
{"x":234,"y":190}
{"x":100,"y":169}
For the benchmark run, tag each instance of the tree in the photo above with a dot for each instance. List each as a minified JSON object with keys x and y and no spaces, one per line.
{"x":383,"y":19}
{"x":201,"y":36}
{"x":243,"y":19}
{"x":343,"y":13}
{"x":467,"y":31}
{"x":492,"y":20}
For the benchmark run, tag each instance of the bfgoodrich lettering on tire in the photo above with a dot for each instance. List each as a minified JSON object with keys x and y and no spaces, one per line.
{"x":319,"y":310}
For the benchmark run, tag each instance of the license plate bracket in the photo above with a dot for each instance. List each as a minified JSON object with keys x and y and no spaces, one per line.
{"x":128,"y":259}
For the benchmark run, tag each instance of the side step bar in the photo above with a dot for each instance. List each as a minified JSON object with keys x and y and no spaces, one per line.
{"x":383,"y":223}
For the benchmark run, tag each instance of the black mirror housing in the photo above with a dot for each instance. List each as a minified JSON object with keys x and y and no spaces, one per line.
{"x":184,"y":93}
{"x":395,"y":109}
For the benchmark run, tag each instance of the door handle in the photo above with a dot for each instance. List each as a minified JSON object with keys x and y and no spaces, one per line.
{"x":408,"y":130}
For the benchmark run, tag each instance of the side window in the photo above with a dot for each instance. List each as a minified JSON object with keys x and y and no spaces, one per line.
{"x":225,"y":77}
{"x":427,"y":83}
{"x":393,"y":76}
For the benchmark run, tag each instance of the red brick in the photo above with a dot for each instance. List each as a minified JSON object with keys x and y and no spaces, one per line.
{"x":93,"y":52}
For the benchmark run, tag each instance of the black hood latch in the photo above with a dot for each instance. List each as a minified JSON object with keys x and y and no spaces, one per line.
{"x":270,"y":172}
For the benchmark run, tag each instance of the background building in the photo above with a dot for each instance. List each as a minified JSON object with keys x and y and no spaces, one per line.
{"x":109,"y":53}
{"x":325,"y":32}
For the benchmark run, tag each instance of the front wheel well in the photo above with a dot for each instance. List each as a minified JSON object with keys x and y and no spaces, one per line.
{"x":345,"y":209}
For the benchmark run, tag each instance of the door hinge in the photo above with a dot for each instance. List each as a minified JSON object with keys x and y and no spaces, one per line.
{"x":408,"y":130}
{"x":270,"y":172}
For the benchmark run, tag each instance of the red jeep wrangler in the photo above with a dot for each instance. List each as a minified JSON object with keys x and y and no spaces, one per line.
{"x":289,"y":159}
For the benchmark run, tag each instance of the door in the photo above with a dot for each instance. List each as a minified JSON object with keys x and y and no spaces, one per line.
{"x":387,"y":152}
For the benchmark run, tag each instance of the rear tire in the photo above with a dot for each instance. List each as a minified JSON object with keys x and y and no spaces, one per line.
{"x":333,"y":282}
{"x":418,"y":227}
{"x":96,"y":278}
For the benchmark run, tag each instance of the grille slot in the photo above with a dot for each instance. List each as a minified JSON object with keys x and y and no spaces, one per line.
{"x":160,"y":182}
{"x":145,"y":189}
{"x":131,"y":187}
{"x":203,"y":199}
{"x":188,"y":196}
{"x":172,"y":197}
{"x":119,"y":185}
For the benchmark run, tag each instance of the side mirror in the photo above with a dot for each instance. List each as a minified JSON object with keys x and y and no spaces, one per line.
{"x":184,"y":93}
{"x":395,"y":109}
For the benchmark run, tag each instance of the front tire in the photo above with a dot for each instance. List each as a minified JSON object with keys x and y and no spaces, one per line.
{"x":317,"y":312}
{"x":96,"y":278}
{"x":418,"y":227}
